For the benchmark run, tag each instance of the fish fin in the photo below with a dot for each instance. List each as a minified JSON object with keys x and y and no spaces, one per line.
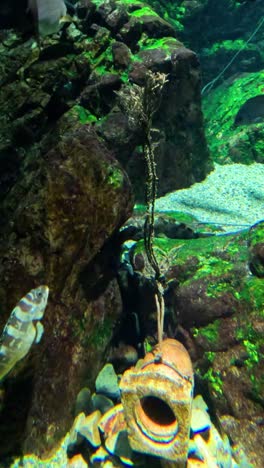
{"x":39,"y":332}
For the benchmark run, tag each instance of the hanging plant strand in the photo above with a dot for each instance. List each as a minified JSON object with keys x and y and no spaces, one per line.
{"x":140,"y":105}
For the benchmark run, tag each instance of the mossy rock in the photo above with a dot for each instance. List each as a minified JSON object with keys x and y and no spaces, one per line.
{"x":234,"y":117}
{"x":213,"y":275}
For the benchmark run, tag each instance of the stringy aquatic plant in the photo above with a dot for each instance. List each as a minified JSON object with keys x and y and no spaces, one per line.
{"x":140,"y":105}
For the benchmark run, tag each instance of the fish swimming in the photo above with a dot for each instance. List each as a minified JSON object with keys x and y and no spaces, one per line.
{"x":48,"y":14}
{"x":22,"y":328}
{"x":251,"y":112}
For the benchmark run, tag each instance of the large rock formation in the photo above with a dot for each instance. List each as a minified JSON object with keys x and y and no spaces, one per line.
{"x":63,"y":194}
{"x":112,"y":45}
{"x":62,"y":210}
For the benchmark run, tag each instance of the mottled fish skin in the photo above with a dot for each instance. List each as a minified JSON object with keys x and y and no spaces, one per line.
{"x":22,"y":328}
{"x":48,"y":14}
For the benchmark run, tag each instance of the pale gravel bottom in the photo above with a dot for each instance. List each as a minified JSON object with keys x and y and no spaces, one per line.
{"x":231,"y":194}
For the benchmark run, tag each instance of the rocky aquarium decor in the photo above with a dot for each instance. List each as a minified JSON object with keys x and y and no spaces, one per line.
{"x":61,"y":211}
{"x":108,"y":46}
{"x":72,"y":166}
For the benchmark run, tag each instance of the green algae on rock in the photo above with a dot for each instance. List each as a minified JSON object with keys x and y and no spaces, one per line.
{"x":215,"y":300}
{"x":229,"y":139}
{"x":219,"y":303}
{"x":82,"y":72}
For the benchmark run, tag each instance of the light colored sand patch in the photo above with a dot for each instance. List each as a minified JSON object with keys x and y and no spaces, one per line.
{"x":232,"y":194}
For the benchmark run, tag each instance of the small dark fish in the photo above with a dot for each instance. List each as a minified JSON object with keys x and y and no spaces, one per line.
{"x":252,"y":111}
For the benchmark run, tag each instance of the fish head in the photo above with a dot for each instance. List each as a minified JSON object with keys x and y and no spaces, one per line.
{"x":39,"y":298}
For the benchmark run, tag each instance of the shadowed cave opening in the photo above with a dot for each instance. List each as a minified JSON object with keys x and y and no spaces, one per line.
{"x":157,"y":411}
{"x":17,"y":395}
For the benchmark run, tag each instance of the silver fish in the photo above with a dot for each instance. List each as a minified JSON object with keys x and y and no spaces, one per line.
{"x":48,"y":14}
{"x":22,"y":328}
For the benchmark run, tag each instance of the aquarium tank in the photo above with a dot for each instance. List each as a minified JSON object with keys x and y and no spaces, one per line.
{"x":131,"y":233}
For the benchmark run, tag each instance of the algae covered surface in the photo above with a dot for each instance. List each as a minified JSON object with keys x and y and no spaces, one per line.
{"x":220,"y":299}
{"x":230,"y":141}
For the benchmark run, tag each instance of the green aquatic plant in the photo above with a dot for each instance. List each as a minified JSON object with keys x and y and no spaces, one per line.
{"x":211,"y":377}
{"x":215,"y":380}
{"x":171,"y":11}
{"x":140,"y":103}
{"x":252,"y":352}
{"x":210,"y":355}
{"x":145,"y":11}
{"x":210,"y":332}
{"x":220,"y":110}
{"x":85,"y":115}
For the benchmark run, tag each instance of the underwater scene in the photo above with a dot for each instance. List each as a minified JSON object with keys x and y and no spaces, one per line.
{"x":131,"y":233}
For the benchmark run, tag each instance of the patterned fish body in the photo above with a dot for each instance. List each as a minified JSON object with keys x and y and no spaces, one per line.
{"x":22,"y":328}
{"x":48,"y":14}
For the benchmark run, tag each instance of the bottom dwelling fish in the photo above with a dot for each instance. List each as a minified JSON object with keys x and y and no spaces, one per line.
{"x":22,"y":328}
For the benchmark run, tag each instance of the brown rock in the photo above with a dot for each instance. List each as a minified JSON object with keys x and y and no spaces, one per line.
{"x":121,"y":55}
{"x":246,"y":435}
{"x":181,"y":152}
{"x":151,"y":24}
{"x":99,"y":96}
{"x":195,"y":307}
{"x":60,"y":213}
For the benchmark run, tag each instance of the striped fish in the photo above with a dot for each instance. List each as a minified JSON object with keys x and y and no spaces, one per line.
{"x":48,"y":14}
{"x":22,"y":328}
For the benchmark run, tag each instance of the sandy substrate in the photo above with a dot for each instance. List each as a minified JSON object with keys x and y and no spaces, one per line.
{"x":230,"y":195}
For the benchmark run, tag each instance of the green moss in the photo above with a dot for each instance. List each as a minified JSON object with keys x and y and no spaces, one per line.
{"x":101,"y":69}
{"x":257,"y":235}
{"x":210,"y":356}
{"x":171,"y":11}
{"x":131,"y":3}
{"x":257,"y":387}
{"x":147,"y":346}
{"x":165,"y":43}
{"x":210,"y":265}
{"x":205,"y":251}
{"x":139,"y":209}
{"x":219,"y":287}
{"x":180,"y":217}
{"x":210,"y":332}
{"x":98,"y":3}
{"x":115,"y":177}
{"x":101,"y":334}
{"x":214,"y":380}
{"x":145,"y":11}
{"x":253,"y":293}
{"x":124,"y":76}
{"x":252,"y":350}
{"x":253,"y":342}
{"x":84,"y":115}
{"x":228,"y":142}
{"x":227,"y":45}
